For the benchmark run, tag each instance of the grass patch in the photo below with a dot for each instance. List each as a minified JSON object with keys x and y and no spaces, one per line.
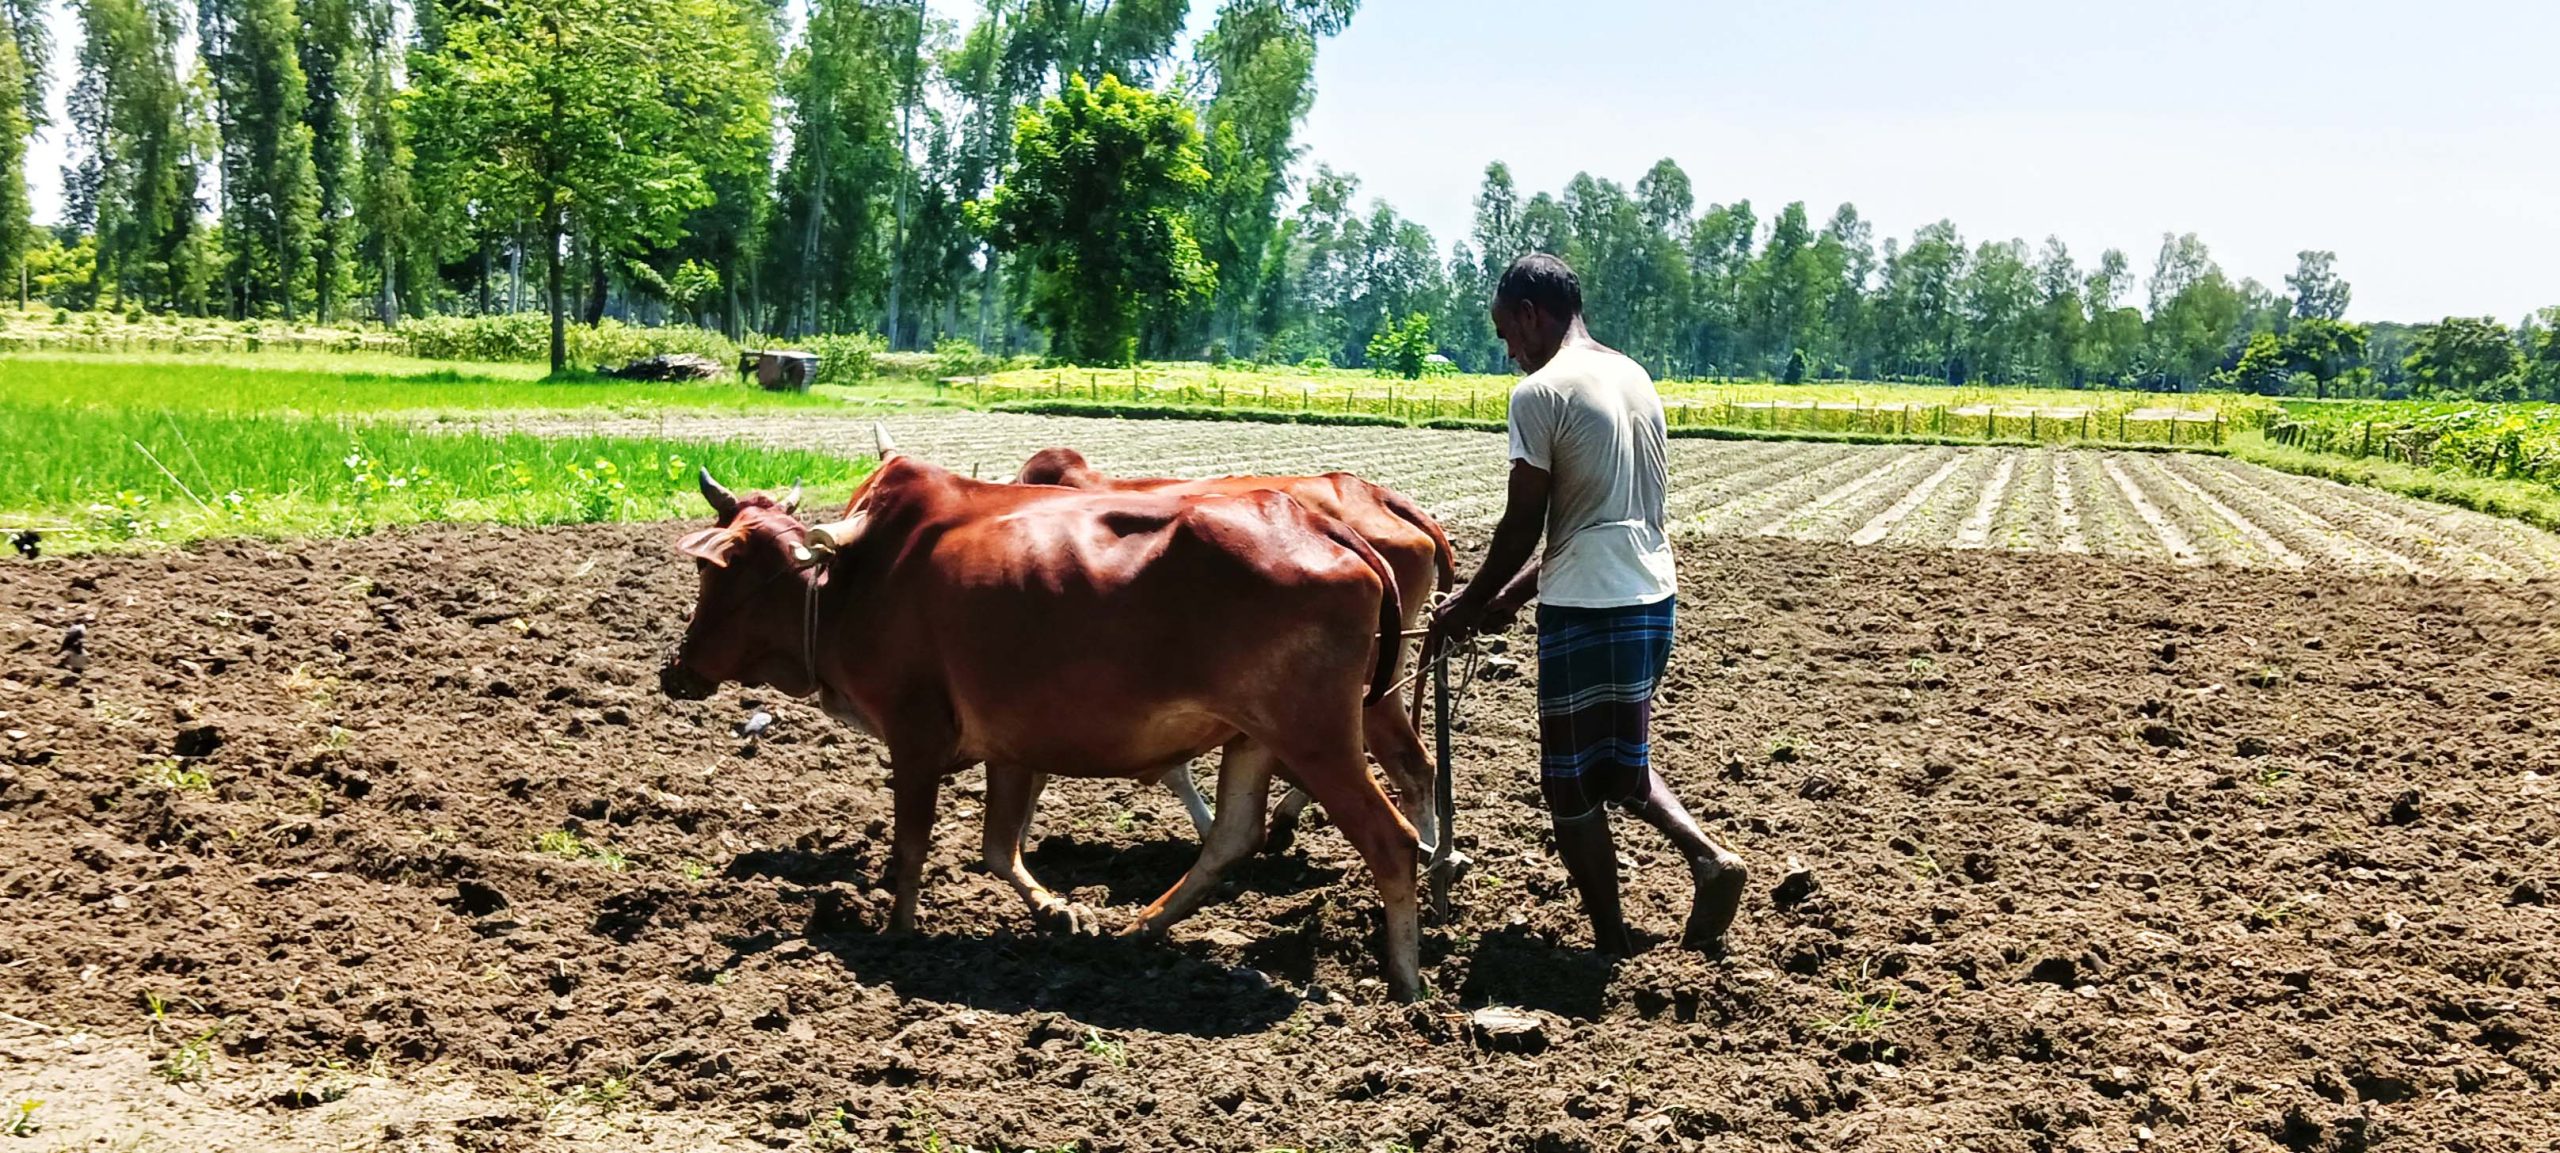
{"x":95,"y":478}
{"x":2532,"y":502}
{"x":345,"y":384}
{"x":569,"y":846}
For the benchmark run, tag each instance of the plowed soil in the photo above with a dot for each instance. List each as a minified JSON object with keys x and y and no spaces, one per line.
{"x":404,"y":846}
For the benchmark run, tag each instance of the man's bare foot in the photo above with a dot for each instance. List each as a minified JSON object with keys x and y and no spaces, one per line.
{"x":1721,"y":879}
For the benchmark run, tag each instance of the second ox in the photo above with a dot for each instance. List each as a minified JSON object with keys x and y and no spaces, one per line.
{"x":1416,"y":551}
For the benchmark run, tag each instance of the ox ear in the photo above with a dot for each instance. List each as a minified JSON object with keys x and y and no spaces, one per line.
{"x":712,"y":545}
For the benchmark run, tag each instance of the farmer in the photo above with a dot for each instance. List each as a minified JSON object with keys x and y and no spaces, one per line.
{"x":1587,"y":470}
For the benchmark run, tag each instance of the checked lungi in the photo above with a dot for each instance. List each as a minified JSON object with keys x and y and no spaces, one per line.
{"x":1597,"y":673}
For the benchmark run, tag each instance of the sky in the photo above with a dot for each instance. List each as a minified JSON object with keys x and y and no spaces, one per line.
{"x":2414,"y":140}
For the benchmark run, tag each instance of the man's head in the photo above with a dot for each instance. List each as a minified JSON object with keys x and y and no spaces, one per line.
{"x":1535,"y":308}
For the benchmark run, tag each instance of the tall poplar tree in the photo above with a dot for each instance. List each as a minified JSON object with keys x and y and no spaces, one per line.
{"x":270,"y":193}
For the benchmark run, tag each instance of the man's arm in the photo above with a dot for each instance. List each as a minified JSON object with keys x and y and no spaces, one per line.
{"x":1508,"y":563}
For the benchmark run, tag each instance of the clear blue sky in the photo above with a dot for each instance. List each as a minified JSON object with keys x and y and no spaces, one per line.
{"x":2414,"y":139}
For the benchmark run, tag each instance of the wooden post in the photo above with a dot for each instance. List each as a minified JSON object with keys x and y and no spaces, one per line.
{"x":2217,"y":426}
{"x":2367,"y":450}
{"x":2119,"y":426}
{"x":1991,"y":424}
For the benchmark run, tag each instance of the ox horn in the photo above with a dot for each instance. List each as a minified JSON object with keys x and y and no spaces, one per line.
{"x":823,"y":541}
{"x":791,"y":503}
{"x":880,"y":437}
{"x":722,"y":500}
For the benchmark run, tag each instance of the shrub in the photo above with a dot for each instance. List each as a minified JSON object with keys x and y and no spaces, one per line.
{"x":849,"y":358}
{"x":957,"y":357}
{"x":525,"y":337}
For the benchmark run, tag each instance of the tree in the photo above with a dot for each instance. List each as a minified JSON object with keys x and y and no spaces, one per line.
{"x":841,"y":83}
{"x":388,"y":219}
{"x":270,"y":193}
{"x":2328,"y":353}
{"x":1098,"y":198}
{"x":2195,"y":313}
{"x":1261,"y":55}
{"x":2000,"y":314}
{"x":1403,"y":348}
{"x":2318,"y":293}
{"x":2542,"y":355}
{"x":130,"y":185}
{"x":597,"y":115}
{"x":2063,"y":322}
{"x":17,"y":221}
{"x":2463,"y":356}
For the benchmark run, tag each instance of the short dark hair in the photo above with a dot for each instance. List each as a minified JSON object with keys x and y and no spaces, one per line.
{"x":1541,"y":280}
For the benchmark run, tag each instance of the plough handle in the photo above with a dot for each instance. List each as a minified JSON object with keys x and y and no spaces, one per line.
{"x":1445,"y":797}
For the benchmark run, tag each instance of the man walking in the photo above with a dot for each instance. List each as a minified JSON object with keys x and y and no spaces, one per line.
{"x":1588,"y":470}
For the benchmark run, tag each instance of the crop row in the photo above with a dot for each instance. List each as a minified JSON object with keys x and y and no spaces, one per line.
{"x":2170,"y":507}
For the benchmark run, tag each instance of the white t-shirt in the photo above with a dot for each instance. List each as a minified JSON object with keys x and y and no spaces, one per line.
{"x":1592,"y":421}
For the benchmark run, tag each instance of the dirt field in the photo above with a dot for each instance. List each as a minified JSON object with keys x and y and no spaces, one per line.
{"x":391,"y":843}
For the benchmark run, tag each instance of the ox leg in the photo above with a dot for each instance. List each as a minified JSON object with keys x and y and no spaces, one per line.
{"x":1244,"y":784}
{"x":1352,"y":798}
{"x":1178,"y":779}
{"x":1284,"y":820}
{"x":1399,"y":751}
{"x":1010,"y":795}
{"x":914,"y":791}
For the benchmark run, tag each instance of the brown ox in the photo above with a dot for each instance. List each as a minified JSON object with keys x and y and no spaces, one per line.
{"x":1408,"y":539}
{"x":1046,"y":630}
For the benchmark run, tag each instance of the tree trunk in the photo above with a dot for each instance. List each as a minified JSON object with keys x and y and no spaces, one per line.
{"x":599,"y":289}
{"x":806,"y":323}
{"x":559,"y":318}
{"x":898,"y":234}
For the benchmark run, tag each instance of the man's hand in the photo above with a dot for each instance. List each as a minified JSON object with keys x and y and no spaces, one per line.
{"x":1460,"y":615}
{"x":1500,"y":615}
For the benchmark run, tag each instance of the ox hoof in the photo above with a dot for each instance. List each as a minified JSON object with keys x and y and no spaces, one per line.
{"x":1453,"y":870}
{"x":1283,"y":834}
{"x":1143,"y":929}
{"x":1067,"y":919}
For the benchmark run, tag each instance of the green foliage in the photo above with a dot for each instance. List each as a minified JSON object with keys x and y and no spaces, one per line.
{"x":848,"y":359}
{"x":1403,"y":348}
{"x":2534,"y":502}
{"x":2519,"y":441}
{"x":954,"y":357}
{"x":17,"y":223}
{"x":525,"y":337}
{"x":2465,"y":356}
{"x":606,"y":115}
{"x":1097,"y":200}
{"x":270,"y":193}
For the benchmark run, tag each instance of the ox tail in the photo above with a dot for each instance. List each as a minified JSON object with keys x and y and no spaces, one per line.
{"x":1442,"y":555}
{"x":1390,"y":608}
{"x":1446,"y":559}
